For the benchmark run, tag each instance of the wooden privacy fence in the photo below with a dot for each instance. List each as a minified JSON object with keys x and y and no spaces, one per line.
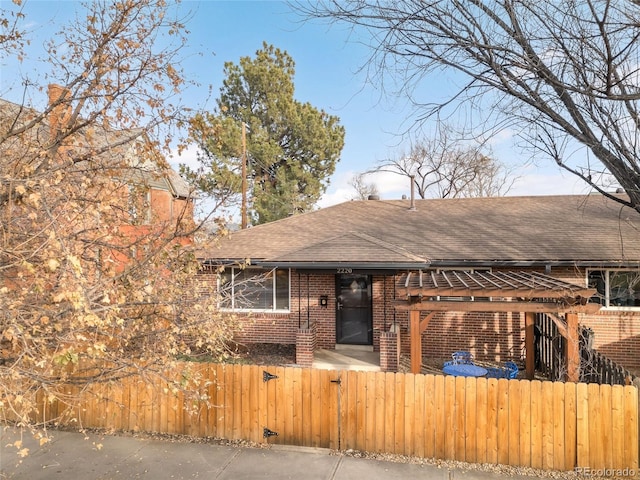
{"x":547,"y":425}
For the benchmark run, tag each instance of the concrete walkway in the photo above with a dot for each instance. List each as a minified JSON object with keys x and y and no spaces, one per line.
{"x":347,"y":358}
{"x":73,"y":455}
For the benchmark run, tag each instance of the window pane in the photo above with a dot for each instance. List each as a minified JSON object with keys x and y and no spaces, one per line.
{"x":624,"y":289}
{"x":282,"y":289}
{"x":597,"y":280}
{"x":224,"y":289}
{"x":253,"y":288}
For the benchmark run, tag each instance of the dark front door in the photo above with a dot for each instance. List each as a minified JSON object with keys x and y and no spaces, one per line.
{"x":354,"y":322}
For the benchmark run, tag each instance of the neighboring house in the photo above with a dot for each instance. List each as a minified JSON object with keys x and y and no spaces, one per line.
{"x":333,"y":276}
{"x":137,"y":191}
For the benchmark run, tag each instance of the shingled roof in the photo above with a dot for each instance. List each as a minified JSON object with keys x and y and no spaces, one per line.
{"x":107,"y":148}
{"x":585,"y":230}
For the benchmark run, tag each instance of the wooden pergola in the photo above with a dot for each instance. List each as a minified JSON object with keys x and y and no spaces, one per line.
{"x":527,"y":292}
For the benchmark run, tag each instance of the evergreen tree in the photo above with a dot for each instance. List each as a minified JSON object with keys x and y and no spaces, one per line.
{"x":291,"y":147}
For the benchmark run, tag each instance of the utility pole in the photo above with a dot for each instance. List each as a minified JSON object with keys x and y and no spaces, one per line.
{"x":243,"y":208}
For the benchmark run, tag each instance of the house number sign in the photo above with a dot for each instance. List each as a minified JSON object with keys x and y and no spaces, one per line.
{"x":344,"y":270}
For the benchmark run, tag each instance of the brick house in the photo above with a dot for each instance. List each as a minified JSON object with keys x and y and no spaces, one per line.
{"x":334,"y":276}
{"x":145,"y":196}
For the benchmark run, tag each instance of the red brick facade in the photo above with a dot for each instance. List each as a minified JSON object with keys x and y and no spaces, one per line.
{"x":489,"y":336}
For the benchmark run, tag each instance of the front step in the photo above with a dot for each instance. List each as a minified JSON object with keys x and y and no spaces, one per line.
{"x":347,"y":359}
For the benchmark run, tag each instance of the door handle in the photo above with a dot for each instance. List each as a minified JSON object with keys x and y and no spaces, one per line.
{"x":339,"y":305}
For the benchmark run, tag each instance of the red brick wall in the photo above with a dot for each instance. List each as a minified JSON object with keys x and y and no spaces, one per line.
{"x":616,"y":331}
{"x":489,"y":336}
{"x":617,"y":335}
{"x":161,"y":202}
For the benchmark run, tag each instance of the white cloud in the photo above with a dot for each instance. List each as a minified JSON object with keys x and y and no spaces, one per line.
{"x":392,"y":186}
{"x":189,"y":157}
{"x":537,"y":183}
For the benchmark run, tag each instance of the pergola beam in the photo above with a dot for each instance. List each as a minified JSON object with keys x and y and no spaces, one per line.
{"x":497,"y":307}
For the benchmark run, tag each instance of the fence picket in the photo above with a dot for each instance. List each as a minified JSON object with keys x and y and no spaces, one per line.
{"x":481,"y":421}
{"x":430,"y":415}
{"x":514,"y":399}
{"x":218,"y":423}
{"x":537,"y":412}
{"x":460,"y":419}
{"x":361,"y":412}
{"x":316,"y":419}
{"x":558,"y":426}
{"x":450,"y":417}
{"x":420,"y":415}
{"x":407,"y":405}
{"x":393,"y":412}
{"x":606,"y":426}
{"x":582,"y":426}
{"x":441,"y":428}
{"x":596,"y":449}
{"x":524,"y":438}
{"x":570,"y":426}
{"x":503,"y":421}
{"x":617,"y":426}
{"x":330,"y":425}
{"x":307,"y":410}
{"x":470,"y":431}
{"x":547,"y":425}
{"x":492,"y":420}
{"x":631,"y":428}
{"x":379,"y":407}
{"x":400,"y":413}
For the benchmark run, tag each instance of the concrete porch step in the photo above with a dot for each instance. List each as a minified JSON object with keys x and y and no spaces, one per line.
{"x":347,"y":359}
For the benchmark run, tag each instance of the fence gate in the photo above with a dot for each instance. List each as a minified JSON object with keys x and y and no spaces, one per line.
{"x":301,"y":407}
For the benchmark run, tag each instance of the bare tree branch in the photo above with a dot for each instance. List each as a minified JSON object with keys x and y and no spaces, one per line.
{"x":445,"y":167}
{"x":564,"y":72}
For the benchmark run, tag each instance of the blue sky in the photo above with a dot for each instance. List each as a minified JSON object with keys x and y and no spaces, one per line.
{"x":328,"y":75}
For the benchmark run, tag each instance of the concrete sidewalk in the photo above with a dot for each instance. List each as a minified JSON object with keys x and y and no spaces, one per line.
{"x":73,"y":455}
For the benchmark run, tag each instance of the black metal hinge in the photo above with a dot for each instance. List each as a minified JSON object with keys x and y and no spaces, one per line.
{"x":266,"y":433}
{"x":266,"y":376}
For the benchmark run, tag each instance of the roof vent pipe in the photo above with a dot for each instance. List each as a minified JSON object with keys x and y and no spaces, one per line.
{"x":413,"y":196}
{"x":373,"y":197}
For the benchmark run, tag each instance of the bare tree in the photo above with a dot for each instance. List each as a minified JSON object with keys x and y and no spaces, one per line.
{"x":363,"y":189}
{"x":93,"y":284}
{"x":564,"y":73}
{"x":445,"y":168}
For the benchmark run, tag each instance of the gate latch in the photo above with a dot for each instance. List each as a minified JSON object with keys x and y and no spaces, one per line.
{"x":338,"y":381}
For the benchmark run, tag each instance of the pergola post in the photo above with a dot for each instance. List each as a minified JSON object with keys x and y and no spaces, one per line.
{"x":573,"y":348}
{"x":529,"y":345}
{"x":416,"y":341}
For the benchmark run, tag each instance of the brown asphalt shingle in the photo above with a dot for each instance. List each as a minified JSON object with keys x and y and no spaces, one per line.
{"x":572,"y":228}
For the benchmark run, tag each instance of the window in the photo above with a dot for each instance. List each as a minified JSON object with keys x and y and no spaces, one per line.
{"x":139,"y":205}
{"x":254,"y":289}
{"x":615,"y":288}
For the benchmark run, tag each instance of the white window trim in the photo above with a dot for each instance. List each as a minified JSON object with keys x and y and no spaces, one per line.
{"x":257,"y":310}
{"x":606,"y":306}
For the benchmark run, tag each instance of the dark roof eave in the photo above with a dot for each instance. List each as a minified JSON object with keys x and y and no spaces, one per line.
{"x":533,"y":263}
{"x":346,"y":264}
{"x":426,"y":265}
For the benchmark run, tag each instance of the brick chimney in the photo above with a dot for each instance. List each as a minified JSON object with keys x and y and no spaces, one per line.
{"x":60,"y":113}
